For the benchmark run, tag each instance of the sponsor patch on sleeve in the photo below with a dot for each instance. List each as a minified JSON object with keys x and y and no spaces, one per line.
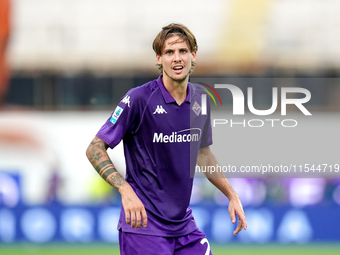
{"x":116,"y":114}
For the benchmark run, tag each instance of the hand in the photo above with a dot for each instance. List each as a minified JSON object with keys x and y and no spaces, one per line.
{"x":235,"y":208}
{"x":133,"y":207}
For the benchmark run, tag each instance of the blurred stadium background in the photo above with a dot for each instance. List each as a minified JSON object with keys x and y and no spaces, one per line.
{"x":64,"y":64}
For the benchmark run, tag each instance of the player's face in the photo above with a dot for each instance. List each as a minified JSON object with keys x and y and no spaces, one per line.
{"x":176,"y":59}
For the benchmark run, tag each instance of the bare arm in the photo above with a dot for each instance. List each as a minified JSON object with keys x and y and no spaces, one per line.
{"x":206,"y":158}
{"x":100,"y":160}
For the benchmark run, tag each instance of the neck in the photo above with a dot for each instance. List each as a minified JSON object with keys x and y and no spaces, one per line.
{"x":177,"y":89}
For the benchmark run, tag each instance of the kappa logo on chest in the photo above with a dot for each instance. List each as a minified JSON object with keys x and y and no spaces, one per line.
{"x":159,"y":110}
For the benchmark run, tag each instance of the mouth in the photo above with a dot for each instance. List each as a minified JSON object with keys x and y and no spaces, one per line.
{"x":177,"y":69}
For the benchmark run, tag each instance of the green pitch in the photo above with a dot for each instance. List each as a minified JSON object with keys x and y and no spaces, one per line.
{"x":94,"y":249}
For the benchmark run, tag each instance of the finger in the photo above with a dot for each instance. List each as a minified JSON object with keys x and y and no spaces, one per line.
{"x":243,"y":219}
{"x":239,"y":228}
{"x":244,"y":222}
{"x":145,"y":218}
{"x":133,"y":219}
{"x":232,"y":216}
{"x":127,"y":217}
{"x":138,"y":220}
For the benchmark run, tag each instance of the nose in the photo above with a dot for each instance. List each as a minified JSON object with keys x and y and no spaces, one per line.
{"x":177,"y":57}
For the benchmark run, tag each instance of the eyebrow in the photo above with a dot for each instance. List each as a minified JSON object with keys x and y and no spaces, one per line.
{"x":183,"y":48}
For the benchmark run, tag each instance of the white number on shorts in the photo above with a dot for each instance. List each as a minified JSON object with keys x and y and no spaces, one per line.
{"x":203,"y":241}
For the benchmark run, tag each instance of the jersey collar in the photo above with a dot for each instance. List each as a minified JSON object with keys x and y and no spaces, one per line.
{"x":167,"y":96}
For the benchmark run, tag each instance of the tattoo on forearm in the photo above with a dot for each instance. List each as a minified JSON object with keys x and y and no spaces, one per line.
{"x":106,"y":170}
{"x":97,"y":152}
{"x":116,"y":180}
{"x":96,"y":156}
{"x":100,"y":168}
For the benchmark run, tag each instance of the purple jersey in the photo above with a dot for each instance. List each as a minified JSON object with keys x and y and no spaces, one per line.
{"x":161,"y":143}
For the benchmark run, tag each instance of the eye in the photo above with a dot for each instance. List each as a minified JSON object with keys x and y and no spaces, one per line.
{"x":169,"y":52}
{"x":183,"y":51}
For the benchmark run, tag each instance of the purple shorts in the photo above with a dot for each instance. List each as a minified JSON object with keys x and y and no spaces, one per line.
{"x":195,"y":243}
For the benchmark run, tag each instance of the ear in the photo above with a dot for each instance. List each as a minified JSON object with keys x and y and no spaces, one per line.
{"x":159,"y":59}
{"x":193,"y":56}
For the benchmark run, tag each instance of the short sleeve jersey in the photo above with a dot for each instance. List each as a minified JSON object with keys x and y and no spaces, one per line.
{"x":161,"y":141}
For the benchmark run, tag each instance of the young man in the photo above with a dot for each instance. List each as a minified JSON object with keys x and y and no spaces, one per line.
{"x":164,"y":135}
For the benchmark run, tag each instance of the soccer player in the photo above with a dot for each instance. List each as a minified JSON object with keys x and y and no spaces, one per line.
{"x":165,"y":134}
